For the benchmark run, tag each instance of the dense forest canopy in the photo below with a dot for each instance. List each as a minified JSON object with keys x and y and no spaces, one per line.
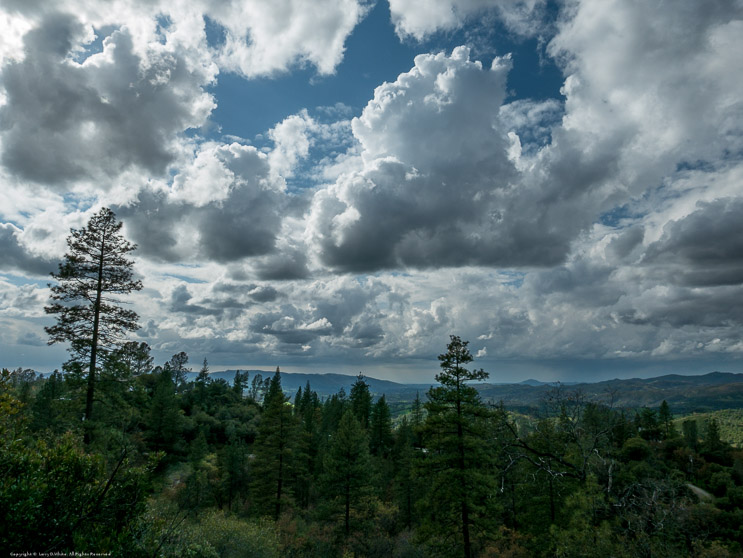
{"x":209,"y":468}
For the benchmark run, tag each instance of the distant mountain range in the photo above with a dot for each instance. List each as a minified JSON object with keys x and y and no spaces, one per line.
{"x":326,"y":384}
{"x":685,"y":394}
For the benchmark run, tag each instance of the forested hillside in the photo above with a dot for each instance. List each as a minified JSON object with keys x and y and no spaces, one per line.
{"x":169,"y":467}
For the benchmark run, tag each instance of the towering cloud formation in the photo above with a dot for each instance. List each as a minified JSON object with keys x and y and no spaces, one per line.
{"x":601,"y":224}
{"x":68,"y":121}
{"x":435,"y":174}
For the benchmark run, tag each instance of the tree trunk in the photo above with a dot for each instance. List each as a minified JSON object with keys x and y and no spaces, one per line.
{"x":552,"y":500}
{"x":515,"y":523}
{"x":462,"y":467}
{"x":348,"y":506}
{"x":281,"y":465}
{"x":94,"y":346}
{"x":465,"y":508}
{"x":279,"y":485}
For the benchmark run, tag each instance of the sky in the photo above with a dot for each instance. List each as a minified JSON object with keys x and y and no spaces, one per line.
{"x":340,"y":185}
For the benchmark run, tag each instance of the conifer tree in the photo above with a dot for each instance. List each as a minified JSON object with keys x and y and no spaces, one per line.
{"x":178,"y":369}
{"x":460,"y":458}
{"x":347,"y":467}
{"x":164,"y":418}
{"x":690,"y":431}
{"x":307,"y":409}
{"x":135,"y":357}
{"x":712,"y":441}
{"x":380,"y":435}
{"x":333,"y":410}
{"x":361,"y":401}
{"x":406,"y":481}
{"x":416,"y":421}
{"x":240,"y":382}
{"x":234,"y":473}
{"x":274,"y":450}
{"x":89,"y":317}
{"x":48,"y":405}
{"x":666,"y":420}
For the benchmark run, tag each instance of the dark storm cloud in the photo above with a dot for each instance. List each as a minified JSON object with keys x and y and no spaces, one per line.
{"x":720,"y":307}
{"x":180,"y":302}
{"x":63,"y":121}
{"x":341,"y":311}
{"x":365,"y":333}
{"x":229,"y":308}
{"x":263,"y":294}
{"x":625,"y":243}
{"x":257,"y":293}
{"x":287,"y":265}
{"x":243,"y":224}
{"x":705,"y":248}
{"x":429,"y":222}
{"x":150,"y":222}
{"x":31,"y":338}
{"x":289,"y":326}
{"x":583,"y":284}
{"x":15,"y":257}
{"x":399,"y":218}
{"x":344,"y":304}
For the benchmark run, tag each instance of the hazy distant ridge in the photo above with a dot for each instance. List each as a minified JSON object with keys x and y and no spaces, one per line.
{"x":715,"y":390}
{"x":324,"y":384}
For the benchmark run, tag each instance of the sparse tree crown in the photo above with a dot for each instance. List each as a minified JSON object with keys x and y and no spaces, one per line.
{"x":89,"y":316}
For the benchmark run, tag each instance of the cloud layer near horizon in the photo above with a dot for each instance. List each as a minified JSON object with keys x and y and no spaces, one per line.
{"x":605,"y":224}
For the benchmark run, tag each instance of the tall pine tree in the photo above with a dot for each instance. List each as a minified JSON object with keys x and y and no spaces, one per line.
{"x":89,"y":317}
{"x":459,"y":455}
{"x":347,"y":468}
{"x":361,"y":401}
{"x":380,"y":435}
{"x":274,"y":450}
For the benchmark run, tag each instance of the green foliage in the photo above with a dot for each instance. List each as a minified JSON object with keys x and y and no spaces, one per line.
{"x":408,"y":487}
{"x":347,"y":470}
{"x":459,"y":457}
{"x":176,"y":366}
{"x":636,"y":449}
{"x":89,"y":317}
{"x":587,"y":533}
{"x":309,"y":413}
{"x":51,"y":408}
{"x":380,"y":433}
{"x":231,"y":537}
{"x":665,"y":418}
{"x":165,"y":531}
{"x":135,"y":357}
{"x":164,"y":418}
{"x":690,"y":430}
{"x":55,"y":497}
{"x":647,"y":424}
{"x":234,"y":470}
{"x":274,"y":451}
{"x":361,"y":401}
